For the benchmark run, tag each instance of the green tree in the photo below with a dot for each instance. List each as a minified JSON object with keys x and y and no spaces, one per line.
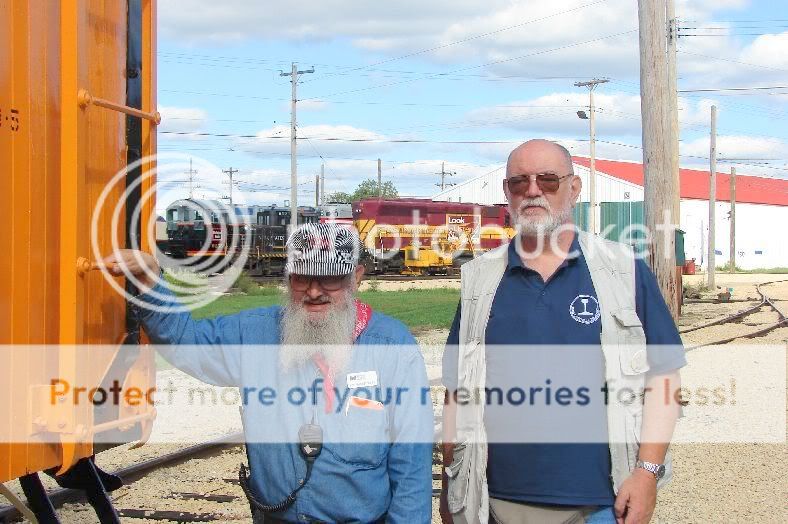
{"x":366,"y":189}
{"x":369,"y":189}
{"x":341,"y":197}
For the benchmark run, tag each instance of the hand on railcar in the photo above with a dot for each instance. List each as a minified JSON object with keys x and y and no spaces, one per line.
{"x":143,"y":266}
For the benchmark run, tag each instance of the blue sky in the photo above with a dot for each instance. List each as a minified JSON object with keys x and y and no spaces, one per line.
{"x":440,"y":72}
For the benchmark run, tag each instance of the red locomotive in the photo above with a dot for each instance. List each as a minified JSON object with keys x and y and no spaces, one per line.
{"x":420,"y":236}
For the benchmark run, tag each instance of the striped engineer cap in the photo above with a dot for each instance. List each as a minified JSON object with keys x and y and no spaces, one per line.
{"x":323,"y":250}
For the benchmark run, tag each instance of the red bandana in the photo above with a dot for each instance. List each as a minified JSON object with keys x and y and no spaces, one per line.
{"x":363,"y":314}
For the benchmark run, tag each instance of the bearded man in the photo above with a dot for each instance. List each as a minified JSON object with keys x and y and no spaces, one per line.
{"x":584,"y":312}
{"x":336,"y":424}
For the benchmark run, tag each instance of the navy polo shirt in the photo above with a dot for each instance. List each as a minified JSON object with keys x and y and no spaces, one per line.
{"x":564,"y":310}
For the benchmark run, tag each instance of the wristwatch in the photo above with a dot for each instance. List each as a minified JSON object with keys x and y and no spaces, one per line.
{"x":658,"y":470}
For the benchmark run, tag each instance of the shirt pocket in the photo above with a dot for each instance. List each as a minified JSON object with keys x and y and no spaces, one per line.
{"x":360,"y":437}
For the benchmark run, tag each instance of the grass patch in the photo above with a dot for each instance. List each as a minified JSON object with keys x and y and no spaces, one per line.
{"x":767,"y":271}
{"x":694,"y":291}
{"x":229,"y":304}
{"x":416,"y":308}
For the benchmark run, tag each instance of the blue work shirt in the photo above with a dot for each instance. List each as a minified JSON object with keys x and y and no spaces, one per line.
{"x":563,"y":311}
{"x":373,"y":462}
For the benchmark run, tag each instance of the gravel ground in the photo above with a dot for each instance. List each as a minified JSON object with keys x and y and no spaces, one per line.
{"x":714,"y":482}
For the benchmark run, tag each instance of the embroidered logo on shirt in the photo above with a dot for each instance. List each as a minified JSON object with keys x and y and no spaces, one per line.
{"x":584,"y":309}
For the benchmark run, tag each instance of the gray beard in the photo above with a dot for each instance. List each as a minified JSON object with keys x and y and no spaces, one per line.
{"x":543,"y":227}
{"x":330,"y":335}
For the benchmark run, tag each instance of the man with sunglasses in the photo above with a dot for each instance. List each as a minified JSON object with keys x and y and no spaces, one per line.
{"x":335,"y":424}
{"x":572,"y":336}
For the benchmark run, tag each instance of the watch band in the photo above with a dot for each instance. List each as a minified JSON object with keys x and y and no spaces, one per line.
{"x":658,"y":470}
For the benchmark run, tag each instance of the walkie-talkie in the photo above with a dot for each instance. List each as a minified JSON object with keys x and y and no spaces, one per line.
{"x":310,"y":443}
{"x":310,"y":437}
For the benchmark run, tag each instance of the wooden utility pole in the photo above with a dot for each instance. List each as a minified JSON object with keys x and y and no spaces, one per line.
{"x":293,"y":74}
{"x":673,"y":108}
{"x":380,"y":185}
{"x":659,"y":183}
{"x":712,"y":197}
{"x":591,"y":85}
{"x":732,"y":258}
{"x":323,"y":183}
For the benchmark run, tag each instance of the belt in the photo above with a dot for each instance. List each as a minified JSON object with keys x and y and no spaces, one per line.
{"x":258,"y":517}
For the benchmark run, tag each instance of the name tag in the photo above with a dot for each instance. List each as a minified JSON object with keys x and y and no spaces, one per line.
{"x":363,"y":379}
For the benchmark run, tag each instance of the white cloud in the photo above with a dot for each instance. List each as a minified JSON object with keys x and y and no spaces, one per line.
{"x":738,"y":146}
{"x":752,"y":155}
{"x":181,"y":120}
{"x":326,"y":140}
{"x":556,"y":113}
{"x":768,"y":50}
{"x":502,"y":37}
{"x":311,"y":104}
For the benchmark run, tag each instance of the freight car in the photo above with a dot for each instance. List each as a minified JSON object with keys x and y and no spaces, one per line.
{"x":77,"y":106}
{"x":419,"y":236}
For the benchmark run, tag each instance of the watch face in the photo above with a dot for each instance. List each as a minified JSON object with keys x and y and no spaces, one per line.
{"x":660,"y":471}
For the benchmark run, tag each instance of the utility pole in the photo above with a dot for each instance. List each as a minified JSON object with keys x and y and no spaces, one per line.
{"x":230,"y":172}
{"x":293,"y":74}
{"x":317,"y":191}
{"x":191,"y":174}
{"x":659,"y":184}
{"x":380,"y":185}
{"x":712,"y":196}
{"x":732,"y":258}
{"x":443,"y":174}
{"x":323,"y":183}
{"x":673,"y":107}
{"x":592,"y":146}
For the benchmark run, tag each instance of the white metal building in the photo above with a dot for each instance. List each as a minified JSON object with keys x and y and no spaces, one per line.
{"x":761,"y":208}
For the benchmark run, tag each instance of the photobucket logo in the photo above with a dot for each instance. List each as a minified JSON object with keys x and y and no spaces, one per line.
{"x":215,"y":231}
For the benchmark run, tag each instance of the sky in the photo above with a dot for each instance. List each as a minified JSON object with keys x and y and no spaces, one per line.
{"x":456,"y":83}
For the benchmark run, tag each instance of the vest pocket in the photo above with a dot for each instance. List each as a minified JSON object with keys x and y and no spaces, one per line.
{"x":459,"y":477}
{"x":633,"y":354}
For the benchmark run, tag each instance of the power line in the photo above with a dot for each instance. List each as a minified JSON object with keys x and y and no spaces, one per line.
{"x":344,"y":139}
{"x":495,"y":62}
{"x":732,"y":61}
{"x":719,"y":89}
{"x":475,"y":37}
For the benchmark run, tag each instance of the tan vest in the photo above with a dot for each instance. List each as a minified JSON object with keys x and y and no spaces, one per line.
{"x":612,"y":268}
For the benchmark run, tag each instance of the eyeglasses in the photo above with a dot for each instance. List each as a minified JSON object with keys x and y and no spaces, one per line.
{"x":303,"y":282}
{"x":547,"y":183}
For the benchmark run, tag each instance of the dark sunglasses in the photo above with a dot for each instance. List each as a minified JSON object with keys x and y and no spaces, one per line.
{"x":302,"y":282}
{"x":546,"y":182}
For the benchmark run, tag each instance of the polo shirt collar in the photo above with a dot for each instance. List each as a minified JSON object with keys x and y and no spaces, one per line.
{"x":515,"y":260}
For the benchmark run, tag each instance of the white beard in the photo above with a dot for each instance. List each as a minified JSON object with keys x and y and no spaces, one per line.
{"x":305,"y":334}
{"x":542,"y":226}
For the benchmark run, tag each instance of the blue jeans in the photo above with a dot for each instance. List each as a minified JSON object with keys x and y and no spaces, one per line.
{"x":603,"y":515}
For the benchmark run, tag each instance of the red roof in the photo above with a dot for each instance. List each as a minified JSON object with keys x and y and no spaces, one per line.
{"x":695,"y":183}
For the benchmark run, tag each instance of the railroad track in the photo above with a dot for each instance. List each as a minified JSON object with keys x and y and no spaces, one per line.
{"x":222,"y":501}
{"x":132,"y":473}
{"x":765,"y":301}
